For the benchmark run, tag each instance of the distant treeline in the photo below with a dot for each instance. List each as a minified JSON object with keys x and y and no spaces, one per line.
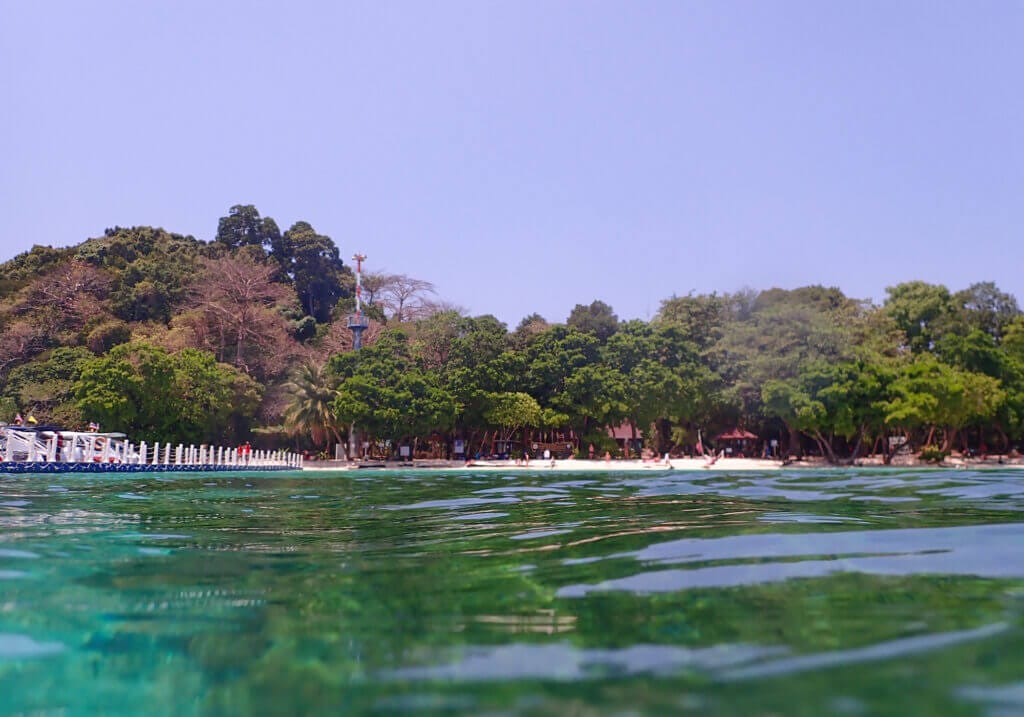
{"x":171,"y":338}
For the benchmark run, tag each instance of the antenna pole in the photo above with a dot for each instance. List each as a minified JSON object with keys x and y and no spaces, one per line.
{"x":357,"y":323}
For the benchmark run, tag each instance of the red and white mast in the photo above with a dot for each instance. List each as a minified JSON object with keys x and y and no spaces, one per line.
{"x":357,"y":323}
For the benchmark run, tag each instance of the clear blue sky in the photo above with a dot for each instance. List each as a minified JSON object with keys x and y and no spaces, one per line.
{"x":528,"y":156}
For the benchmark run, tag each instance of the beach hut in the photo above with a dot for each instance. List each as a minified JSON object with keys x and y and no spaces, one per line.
{"x":737,"y":442}
{"x":623,"y":435}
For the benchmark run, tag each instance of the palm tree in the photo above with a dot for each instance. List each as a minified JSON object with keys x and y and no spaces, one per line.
{"x":310,"y":411}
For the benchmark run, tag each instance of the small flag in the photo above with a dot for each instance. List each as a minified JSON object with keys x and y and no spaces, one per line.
{"x":32,"y":419}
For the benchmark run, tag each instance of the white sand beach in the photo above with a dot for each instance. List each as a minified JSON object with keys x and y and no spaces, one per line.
{"x":579,"y":465}
{"x":681,"y":464}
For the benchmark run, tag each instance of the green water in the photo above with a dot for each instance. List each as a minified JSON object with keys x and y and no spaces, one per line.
{"x":519,"y":593}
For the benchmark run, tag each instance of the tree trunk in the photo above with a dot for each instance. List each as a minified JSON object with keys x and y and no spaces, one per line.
{"x":949,"y":436}
{"x":857,"y":445}
{"x":1003,"y":437}
{"x":794,"y":441}
{"x":826,"y":448}
{"x":891,"y":450}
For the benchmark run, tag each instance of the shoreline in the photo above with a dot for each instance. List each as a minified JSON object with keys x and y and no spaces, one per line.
{"x":680,"y":464}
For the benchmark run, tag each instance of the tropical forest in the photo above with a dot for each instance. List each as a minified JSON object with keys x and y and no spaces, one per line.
{"x":245,"y":338}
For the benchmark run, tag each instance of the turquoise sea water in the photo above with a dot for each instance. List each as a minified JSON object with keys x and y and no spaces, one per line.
{"x":866,"y":592}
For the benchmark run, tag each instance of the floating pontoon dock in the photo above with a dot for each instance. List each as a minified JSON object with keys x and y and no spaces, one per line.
{"x":48,"y":449}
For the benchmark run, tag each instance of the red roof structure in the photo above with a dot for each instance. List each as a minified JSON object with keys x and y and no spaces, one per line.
{"x":736,"y":435}
{"x":624,"y":432}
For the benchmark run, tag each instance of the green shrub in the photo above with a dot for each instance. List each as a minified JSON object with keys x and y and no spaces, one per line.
{"x":933,"y":454}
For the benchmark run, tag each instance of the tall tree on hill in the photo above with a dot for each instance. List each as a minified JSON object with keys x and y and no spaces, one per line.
{"x":149,"y":267}
{"x":20,"y":340}
{"x":237,"y":318}
{"x":313,"y":265}
{"x":406,"y":299}
{"x":374,"y":283}
{"x":29,"y":265}
{"x":597,"y":319}
{"x":64,"y":301}
{"x":243,"y":226}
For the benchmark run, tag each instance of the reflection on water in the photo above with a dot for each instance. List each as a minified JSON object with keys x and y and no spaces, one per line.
{"x":817,"y":592}
{"x":560,"y":661}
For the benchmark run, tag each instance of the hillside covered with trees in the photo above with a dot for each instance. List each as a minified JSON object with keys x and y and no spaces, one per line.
{"x":171,"y":338}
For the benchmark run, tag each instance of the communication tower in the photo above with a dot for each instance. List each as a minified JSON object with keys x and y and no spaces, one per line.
{"x":357,"y":323}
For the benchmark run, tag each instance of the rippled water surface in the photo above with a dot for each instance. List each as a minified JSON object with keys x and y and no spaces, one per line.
{"x":514,"y":593}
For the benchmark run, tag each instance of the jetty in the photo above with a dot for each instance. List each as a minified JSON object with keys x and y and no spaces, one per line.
{"x":48,"y":449}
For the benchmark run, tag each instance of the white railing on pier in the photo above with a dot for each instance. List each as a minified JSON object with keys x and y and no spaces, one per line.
{"x":19,"y":445}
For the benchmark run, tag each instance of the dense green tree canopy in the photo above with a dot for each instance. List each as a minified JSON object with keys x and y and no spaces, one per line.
{"x":382,"y":391}
{"x":923,"y":312}
{"x":983,"y":307}
{"x":151,"y":270}
{"x":171,"y":337}
{"x":313,"y":264}
{"x":158,"y":396}
{"x":512,"y":411}
{"x":243,"y":226}
{"x":597,"y":319}
{"x":46,"y":387}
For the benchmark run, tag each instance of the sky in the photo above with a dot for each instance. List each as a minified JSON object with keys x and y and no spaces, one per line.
{"x":528,"y":156}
